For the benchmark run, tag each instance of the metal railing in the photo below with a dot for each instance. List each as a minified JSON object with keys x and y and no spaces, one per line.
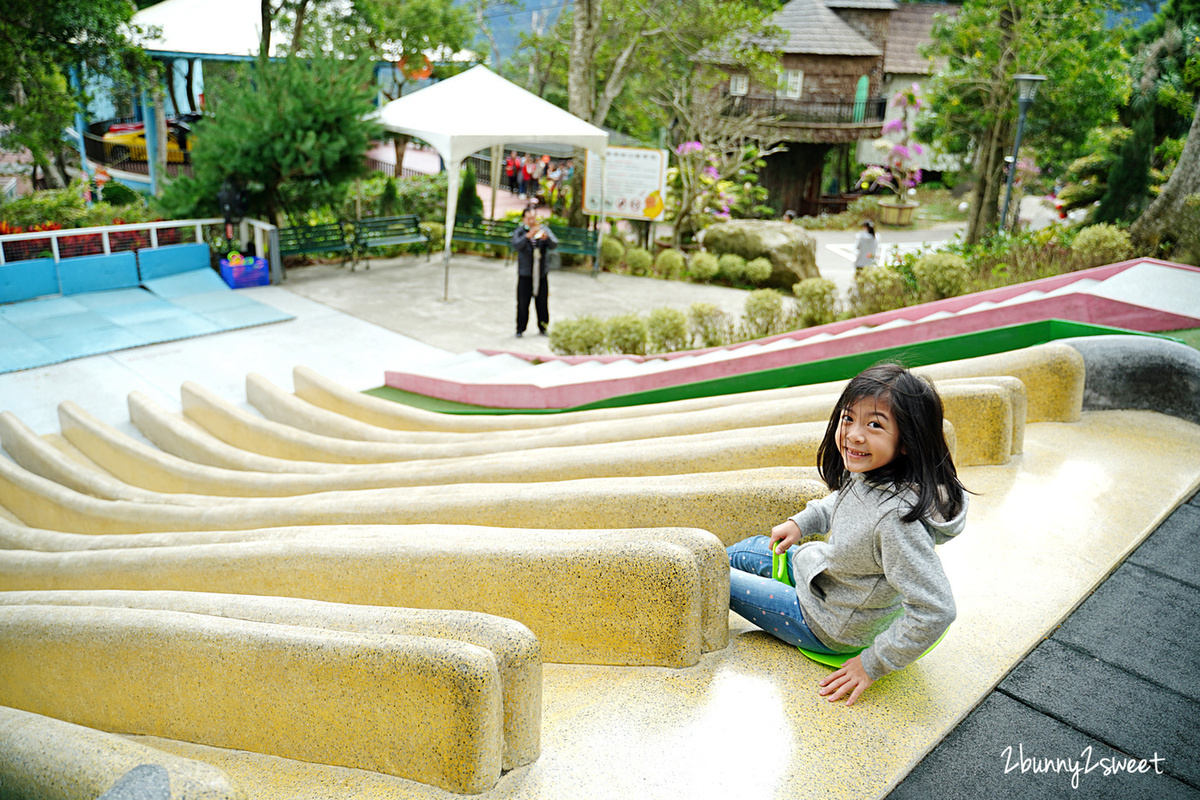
{"x":835,"y":112}
{"x":72,"y":242}
{"x":375,"y":165}
{"x":132,"y":157}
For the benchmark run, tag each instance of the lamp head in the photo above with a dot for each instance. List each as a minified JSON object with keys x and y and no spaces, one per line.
{"x":1027,"y":86}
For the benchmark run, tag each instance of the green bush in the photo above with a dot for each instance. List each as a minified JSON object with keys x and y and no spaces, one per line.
{"x":579,"y":336}
{"x":470,"y":204}
{"x":612,"y":253}
{"x":626,"y":333}
{"x":709,"y":325}
{"x":1102,"y":244}
{"x":763,"y":314}
{"x":436,"y":232}
{"x":388,"y":198}
{"x":118,"y":194}
{"x":670,"y":264}
{"x":877,"y":289}
{"x":940,"y":275}
{"x":639,"y":260}
{"x":667,"y":330}
{"x":758,"y":270}
{"x":816,"y":301}
{"x":731,"y":267}
{"x":703,"y":266}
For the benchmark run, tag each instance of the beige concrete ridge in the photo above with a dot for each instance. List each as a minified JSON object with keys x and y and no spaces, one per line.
{"x":964,"y":402}
{"x":326,"y":696}
{"x":517,"y":652}
{"x":42,"y":758}
{"x":645,"y":597}
{"x":1054,"y":372}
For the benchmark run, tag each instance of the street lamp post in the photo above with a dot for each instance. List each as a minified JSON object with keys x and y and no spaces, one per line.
{"x":1027,"y":86}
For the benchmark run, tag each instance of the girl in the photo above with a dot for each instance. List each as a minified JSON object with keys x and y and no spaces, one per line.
{"x":876,"y":583}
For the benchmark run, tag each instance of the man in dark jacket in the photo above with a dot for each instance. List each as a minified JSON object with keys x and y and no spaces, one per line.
{"x":532,"y":240}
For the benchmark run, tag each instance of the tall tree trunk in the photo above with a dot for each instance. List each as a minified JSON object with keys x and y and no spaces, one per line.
{"x":1159,"y":220}
{"x":298,"y":27}
{"x":169,"y":71}
{"x":264,"y":47}
{"x":581,"y":70}
{"x":990,"y":165}
{"x":400,"y":144}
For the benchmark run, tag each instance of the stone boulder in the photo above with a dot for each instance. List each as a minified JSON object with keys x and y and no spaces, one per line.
{"x":791,"y":249}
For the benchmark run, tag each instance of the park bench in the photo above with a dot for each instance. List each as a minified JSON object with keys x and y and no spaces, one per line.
{"x":327,"y":238}
{"x":484,"y":231}
{"x":382,"y":231}
{"x":578,"y":241}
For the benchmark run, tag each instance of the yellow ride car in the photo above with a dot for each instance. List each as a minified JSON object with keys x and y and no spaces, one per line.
{"x":127,"y":141}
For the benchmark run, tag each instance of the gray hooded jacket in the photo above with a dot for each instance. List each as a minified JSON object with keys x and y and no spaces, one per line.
{"x":876,"y":582}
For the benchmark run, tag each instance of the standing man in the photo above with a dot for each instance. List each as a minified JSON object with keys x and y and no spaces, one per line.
{"x":532,"y":240}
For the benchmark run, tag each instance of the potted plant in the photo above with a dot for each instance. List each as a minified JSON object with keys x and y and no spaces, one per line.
{"x":898,"y":175}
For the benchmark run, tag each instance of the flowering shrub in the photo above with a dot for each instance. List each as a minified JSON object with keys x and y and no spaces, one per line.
{"x":626,"y":333}
{"x":897,"y":173}
{"x":670,"y":264}
{"x":816,"y":301}
{"x":763,"y":315}
{"x":667,"y":330}
{"x":941,"y":275}
{"x":1102,"y":244}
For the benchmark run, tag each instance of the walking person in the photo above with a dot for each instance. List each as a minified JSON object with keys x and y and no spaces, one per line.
{"x":532,"y":240}
{"x":865,"y":245}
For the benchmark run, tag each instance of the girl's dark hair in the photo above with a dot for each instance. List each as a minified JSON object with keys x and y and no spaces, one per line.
{"x":870,"y":226}
{"x":922,"y":460}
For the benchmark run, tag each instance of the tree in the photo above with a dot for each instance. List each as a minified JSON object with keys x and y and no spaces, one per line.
{"x":1159,"y":222}
{"x":716,"y":147}
{"x":973,"y":98}
{"x":42,"y":42}
{"x":615,"y":58}
{"x":299,"y":123}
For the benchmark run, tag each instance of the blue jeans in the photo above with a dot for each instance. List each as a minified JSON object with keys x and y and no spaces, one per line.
{"x":764,"y":601}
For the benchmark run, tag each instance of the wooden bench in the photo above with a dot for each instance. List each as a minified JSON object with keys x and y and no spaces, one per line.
{"x":382,"y":231}
{"x":327,"y":238}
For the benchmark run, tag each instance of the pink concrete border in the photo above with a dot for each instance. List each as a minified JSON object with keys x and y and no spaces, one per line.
{"x":1080,"y":307}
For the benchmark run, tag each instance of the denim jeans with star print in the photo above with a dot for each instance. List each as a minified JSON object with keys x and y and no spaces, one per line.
{"x":764,"y":601}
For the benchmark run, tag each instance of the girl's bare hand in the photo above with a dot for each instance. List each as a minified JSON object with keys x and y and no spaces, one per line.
{"x":787,"y":533}
{"x":851,"y":678}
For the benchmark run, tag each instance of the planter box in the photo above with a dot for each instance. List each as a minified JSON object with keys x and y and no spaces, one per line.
{"x":254,"y":272}
{"x":897,"y":213}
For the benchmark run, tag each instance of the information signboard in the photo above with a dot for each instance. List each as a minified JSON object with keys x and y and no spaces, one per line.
{"x":635,"y":185}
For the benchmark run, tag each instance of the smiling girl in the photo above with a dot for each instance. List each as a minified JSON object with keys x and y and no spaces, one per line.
{"x":875,"y":585}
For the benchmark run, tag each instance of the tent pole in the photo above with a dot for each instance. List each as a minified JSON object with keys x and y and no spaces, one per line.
{"x":453,"y":179}
{"x":497,"y":158}
{"x":600,"y":224}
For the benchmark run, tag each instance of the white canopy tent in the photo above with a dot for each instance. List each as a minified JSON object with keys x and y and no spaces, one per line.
{"x":478,"y":109}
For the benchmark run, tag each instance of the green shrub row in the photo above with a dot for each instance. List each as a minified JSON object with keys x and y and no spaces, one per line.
{"x":767,"y":312}
{"x":702,"y":267}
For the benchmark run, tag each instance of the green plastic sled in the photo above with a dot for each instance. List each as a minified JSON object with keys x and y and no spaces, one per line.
{"x":779,"y":571}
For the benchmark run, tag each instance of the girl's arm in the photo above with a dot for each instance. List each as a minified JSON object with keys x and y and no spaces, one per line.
{"x":816,"y":518}
{"x":913,"y":568}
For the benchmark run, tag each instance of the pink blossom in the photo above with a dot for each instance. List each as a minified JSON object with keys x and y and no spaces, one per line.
{"x":688,"y":147}
{"x":894,"y":126}
{"x":712,"y":172}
